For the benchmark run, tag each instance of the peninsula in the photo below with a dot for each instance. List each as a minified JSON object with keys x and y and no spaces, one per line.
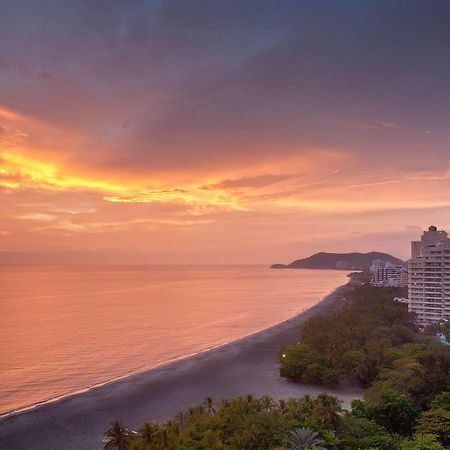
{"x":344,"y":261}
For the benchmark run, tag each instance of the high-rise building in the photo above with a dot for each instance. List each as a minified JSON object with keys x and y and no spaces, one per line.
{"x":429,"y":277}
{"x":378,"y":264}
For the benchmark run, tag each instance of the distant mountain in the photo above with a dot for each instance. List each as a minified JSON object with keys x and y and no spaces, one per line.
{"x":339,"y":261}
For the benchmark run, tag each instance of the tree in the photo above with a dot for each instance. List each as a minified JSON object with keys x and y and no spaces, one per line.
{"x":357,"y":342}
{"x":305,"y":439}
{"x":117,"y":436}
{"x":295,"y":360}
{"x":327,"y":410}
{"x":394,"y":412}
{"x":211,"y":440}
{"x":408,"y":376}
{"x":266,"y":402}
{"x":182,"y":421}
{"x":208,"y":403}
{"x":359,"y":408}
{"x":163,"y":436}
{"x":362,"y":433}
{"x":355,"y":364}
{"x":437,"y":422}
{"x":147,"y":434}
{"x":442,"y":401}
{"x":283,"y":406}
{"x":330,"y":377}
{"x":437,"y":365}
{"x":422,"y":442}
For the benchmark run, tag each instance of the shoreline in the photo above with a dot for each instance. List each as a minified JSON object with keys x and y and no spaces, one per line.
{"x":77,"y":420}
{"x":123,"y":378}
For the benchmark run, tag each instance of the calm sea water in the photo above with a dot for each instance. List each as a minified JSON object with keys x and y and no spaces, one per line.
{"x":65,"y":329}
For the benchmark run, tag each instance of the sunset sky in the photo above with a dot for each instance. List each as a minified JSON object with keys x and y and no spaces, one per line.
{"x":221,"y":131}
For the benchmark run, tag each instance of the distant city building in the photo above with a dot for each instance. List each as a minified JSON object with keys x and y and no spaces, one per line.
{"x":404,"y":278}
{"x":390,"y":275}
{"x":379,"y":276}
{"x":378,"y":264}
{"x":429,"y":277}
{"x":397,"y":276}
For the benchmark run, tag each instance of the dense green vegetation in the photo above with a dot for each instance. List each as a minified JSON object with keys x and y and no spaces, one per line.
{"x":248,"y":423}
{"x":372,"y":341}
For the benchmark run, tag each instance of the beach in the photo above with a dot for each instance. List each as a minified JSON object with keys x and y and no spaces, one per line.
{"x":245,"y":366}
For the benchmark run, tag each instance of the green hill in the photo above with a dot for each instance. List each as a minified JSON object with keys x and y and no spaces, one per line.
{"x":339,"y":260}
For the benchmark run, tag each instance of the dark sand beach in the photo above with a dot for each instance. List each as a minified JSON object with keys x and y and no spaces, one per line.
{"x":245,"y":366}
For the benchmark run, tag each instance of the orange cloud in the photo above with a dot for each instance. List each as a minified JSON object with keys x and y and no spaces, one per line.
{"x":312,"y":184}
{"x":22,"y":172}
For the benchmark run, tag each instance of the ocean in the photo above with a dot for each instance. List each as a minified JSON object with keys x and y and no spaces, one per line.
{"x":65,"y":329}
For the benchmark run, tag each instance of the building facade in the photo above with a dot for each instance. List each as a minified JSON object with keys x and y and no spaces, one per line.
{"x":378,"y":264}
{"x":429,"y":277}
{"x":389,"y":276}
{"x":397,"y":276}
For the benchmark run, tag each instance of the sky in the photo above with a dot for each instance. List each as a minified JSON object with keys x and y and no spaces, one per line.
{"x":221,"y":132}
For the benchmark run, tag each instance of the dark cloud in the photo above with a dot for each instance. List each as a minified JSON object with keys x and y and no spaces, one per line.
{"x":206,"y":84}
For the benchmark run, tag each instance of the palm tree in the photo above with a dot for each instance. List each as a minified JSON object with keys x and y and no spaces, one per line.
{"x":208,"y":403}
{"x":266,"y":402}
{"x":305,"y":439}
{"x":283,"y":406}
{"x":306,"y":404}
{"x":300,"y":408}
{"x":163,"y":436}
{"x":117,"y":436}
{"x":361,"y":372}
{"x":191,"y":414}
{"x":327,"y":409}
{"x":182,"y":421}
{"x":147,"y":434}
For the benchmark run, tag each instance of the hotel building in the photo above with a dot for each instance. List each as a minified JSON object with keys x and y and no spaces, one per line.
{"x":386,"y":274}
{"x":429,"y":277}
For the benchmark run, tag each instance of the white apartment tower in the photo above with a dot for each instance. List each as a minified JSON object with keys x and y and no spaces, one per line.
{"x":429,"y":277}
